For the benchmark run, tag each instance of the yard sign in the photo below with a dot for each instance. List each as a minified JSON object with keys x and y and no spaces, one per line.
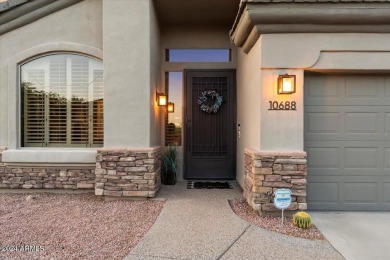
{"x":282,"y":200}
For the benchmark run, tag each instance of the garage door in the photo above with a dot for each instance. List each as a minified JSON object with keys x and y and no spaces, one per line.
{"x":347,"y":138}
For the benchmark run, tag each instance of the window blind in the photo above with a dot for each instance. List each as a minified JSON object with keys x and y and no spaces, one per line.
{"x":98,"y":107}
{"x":34,"y":110}
{"x":57,"y":101}
{"x":80,"y":105}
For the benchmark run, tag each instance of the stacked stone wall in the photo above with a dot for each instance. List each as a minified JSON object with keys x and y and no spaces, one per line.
{"x":267,"y":171}
{"x":46,"y":177}
{"x":128,"y":172}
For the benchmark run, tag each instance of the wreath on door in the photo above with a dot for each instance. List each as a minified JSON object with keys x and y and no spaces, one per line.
{"x":210,"y":101}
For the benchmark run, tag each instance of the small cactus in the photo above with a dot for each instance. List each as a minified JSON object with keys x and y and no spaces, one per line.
{"x":302,"y":220}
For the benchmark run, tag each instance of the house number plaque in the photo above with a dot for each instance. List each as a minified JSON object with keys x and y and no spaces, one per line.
{"x":282,"y":105}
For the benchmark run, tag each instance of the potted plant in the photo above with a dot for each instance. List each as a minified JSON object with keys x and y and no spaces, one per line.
{"x":169,"y":166}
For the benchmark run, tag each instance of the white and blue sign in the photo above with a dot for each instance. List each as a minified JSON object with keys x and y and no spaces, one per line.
{"x":282,"y":198}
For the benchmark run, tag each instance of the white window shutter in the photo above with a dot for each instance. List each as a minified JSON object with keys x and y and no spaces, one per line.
{"x":62,"y":102}
{"x":34,"y":107}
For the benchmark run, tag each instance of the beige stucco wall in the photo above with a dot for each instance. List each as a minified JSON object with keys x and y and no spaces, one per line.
{"x":249,"y":102}
{"x":77,"y":28}
{"x":128,"y":73}
{"x":188,"y":37}
{"x":297,"y":53}
{"x":277,"y":54}
{"x":281,"y":130}
{"x":155,"y":79}
{"x":303,"y":51}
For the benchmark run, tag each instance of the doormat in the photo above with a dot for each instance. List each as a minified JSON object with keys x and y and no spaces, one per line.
{"x":208,"y":185}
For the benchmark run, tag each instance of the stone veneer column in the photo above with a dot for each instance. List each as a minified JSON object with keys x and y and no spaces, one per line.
{"x":32,"y":177}
{"x":266,"y":171}
{"x":123,"y":172}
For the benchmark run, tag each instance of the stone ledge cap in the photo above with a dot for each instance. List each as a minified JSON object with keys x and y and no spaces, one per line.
{"x":50,"y":155}
{"x":129,"y":149}
{"x":292,"y":153}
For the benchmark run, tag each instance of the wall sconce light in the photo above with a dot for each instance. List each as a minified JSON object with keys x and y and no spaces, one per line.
{"x":286,"y":84}
{"x":171,"y":107}
{"x":161,"y":99}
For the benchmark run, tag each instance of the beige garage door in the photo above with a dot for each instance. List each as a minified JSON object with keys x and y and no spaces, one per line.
{"x":347,"y":138}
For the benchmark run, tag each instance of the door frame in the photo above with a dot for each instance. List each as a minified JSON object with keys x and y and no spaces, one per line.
{"x":234,"y":118}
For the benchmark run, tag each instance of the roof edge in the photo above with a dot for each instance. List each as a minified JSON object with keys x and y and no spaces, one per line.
{"x":238,"y":16}
{"x":31,"y":11}
{"x":255,"y":19}
{"x":8,"y":4}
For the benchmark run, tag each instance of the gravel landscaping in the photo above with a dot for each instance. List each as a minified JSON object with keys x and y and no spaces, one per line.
{"x":72,"y":226}
{"x":273,"y":223}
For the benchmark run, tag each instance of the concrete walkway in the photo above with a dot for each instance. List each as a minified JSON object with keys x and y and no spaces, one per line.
{"x":356,"y":235}
{"x":199,"y":224}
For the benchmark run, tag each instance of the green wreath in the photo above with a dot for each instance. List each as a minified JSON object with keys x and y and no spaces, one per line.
{"x":210,"y":101}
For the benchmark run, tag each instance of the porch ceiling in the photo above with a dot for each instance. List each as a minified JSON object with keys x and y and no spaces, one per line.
{"x":196,"y":12}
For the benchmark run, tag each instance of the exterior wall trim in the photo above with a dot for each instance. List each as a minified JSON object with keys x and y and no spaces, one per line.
{"x":257,"y":18}
{"x":49,"y":156}
{"x":55,"y":47}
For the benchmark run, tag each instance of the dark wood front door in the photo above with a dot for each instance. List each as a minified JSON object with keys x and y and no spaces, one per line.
{"x":210,"y":138}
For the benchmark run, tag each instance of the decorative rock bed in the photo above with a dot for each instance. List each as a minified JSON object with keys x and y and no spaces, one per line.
{"x":267,"y":171}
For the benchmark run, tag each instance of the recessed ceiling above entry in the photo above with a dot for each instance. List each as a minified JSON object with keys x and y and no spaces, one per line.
{"x":196,"y":12}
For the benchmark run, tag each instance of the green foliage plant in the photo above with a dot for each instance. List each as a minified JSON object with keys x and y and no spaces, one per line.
{"x":302,"y":220}
{"x":169,"y":165}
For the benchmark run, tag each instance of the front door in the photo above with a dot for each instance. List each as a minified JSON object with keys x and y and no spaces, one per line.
{"x":210,"y":132}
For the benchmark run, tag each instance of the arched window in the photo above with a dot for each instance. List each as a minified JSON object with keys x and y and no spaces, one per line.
{"x":62,"y":101}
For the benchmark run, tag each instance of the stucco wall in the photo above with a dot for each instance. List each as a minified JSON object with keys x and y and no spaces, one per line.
{"x":281,"y":130}
{"x":303,"y":51}
{"x":277,"y":54}
{"x":248,"y":103}
{"x":126,"y":39}
{"x":76,"y":28}
{"x":296,"y":53}
{"x":155,"y":80}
